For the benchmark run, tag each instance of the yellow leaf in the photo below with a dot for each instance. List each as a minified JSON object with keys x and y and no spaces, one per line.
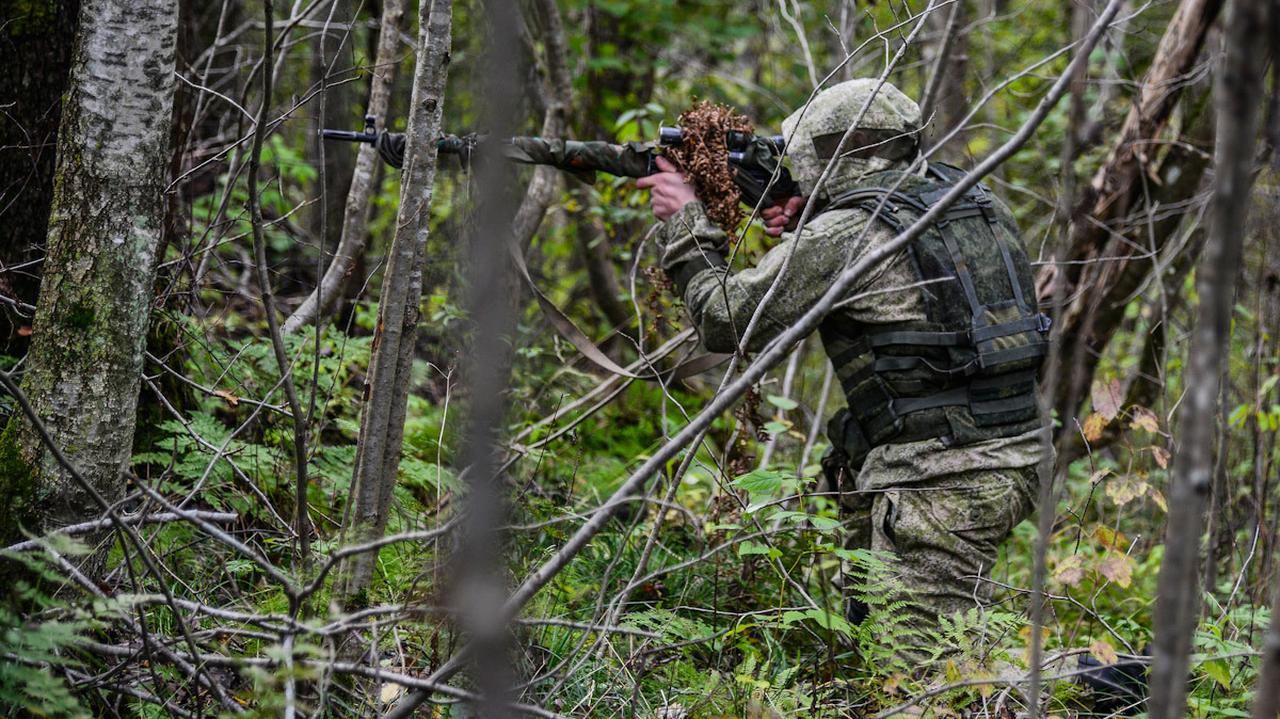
{"x":1093,"y":427}
{"x":1110,"y":538}
{"x":1143,"y":418}
{"x":1125,"y":490}
{"x":1070,"y":571}
{"x":1158,"y":498}
{"x":1117,"y":568}
{"x":1162,"y":456}
{"x":893,"y":683}
{"x":1107,"y":398}
{"x":1103,"y":651}
{"x":230,"y":398}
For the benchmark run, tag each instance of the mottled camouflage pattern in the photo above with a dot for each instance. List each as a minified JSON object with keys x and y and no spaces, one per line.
{"x":942,"y":514}
{"x":834,"y":110}
{"x":583,"y":158}
{"x":941,"y":511}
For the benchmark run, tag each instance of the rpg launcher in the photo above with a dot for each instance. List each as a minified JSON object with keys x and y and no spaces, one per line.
{"x":755,"y":159}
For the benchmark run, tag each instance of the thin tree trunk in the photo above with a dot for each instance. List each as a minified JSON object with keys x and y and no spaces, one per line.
{"x":944,"y":104}
{"x":1178,"y":589}
{"x":387,"y":393}
{"x":479,"y":587}
{"x":355,"y":219}
{"x":331,"y":63}
{"x":557,"y":94}
{"x":85,"y":364}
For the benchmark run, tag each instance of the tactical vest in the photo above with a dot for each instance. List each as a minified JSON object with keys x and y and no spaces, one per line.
{"x":969,"y":372}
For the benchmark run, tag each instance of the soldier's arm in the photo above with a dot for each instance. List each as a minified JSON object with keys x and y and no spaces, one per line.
{"x":722,"y":302}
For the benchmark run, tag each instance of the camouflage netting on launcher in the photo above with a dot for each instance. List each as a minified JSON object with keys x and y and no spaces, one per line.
{"x":703,"y":156}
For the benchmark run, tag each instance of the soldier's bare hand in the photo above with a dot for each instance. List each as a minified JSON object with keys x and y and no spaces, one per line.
{"x":778,"y":218}
{"x":669,"y":190}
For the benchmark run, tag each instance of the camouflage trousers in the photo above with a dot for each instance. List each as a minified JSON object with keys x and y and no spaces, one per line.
{"x":942,"y":516}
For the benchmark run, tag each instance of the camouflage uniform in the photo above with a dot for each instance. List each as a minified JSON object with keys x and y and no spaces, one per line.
{"x":942,"y":510}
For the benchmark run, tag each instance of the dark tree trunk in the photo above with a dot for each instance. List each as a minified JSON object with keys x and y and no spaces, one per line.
{"x":331,"y":64}
{"x":36,"y":42}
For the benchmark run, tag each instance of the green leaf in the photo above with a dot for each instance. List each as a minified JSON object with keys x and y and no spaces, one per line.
{"x":760,"y":481}
{"x":822,"y":618}
{"x":776,"y":427}
{"x":747,"y":549}
{"x":1218,"y":671}
{"x":782,"y":403}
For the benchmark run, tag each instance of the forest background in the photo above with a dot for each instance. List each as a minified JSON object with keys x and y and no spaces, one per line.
{"x":409,"y":488}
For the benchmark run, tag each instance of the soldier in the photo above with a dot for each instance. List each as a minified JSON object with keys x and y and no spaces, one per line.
{"x":937,"y":348}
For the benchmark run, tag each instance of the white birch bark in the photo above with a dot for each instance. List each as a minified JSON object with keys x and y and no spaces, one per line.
{"x":83,"y":371}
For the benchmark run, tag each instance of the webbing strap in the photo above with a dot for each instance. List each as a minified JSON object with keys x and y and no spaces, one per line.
{"x":961,"y":397}
{"x":949,"y":398}
{"x":1004,"y":329}
{"x":904,"y":364}
{"x":962,"y":273}
{"x":1014,"y":354}
{"x":1016,"y":403}
{"x":1009,"y":268}
{"x":929,"y":339}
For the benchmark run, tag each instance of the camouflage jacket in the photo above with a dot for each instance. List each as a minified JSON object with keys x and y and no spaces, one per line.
{"x":721,"y":302}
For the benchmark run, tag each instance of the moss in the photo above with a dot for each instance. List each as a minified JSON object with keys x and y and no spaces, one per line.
{"x":81,"y":316}
{"x":17,"y":485}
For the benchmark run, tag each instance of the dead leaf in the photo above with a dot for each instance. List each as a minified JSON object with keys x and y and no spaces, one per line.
{"x":1117,"y":568}
{"x":231,"y":399}
{"x":1093,"y":427}
{"x":1143,"y":418}
{"x":1158,"y":497}
{"x":1161,"y":456}
{"x":1103,"y":651}
{"x":1070,"y":571}
{"x":1125,"y":490}
{"x":24,"y":331}
{"x":1107,"y":398}
{"x":390,"y":692}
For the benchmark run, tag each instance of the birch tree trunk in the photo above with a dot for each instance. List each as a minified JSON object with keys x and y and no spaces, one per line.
{"x":85,"y":364}
{"x":1178,"y":591}
{"x":355,"y":218}
{"x":387,"y":393}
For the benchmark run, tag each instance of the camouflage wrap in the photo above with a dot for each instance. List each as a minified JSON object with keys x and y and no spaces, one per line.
{"x":834,"y":111}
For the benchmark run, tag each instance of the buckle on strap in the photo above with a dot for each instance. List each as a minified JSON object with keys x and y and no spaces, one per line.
{"x":1043,"y":323}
